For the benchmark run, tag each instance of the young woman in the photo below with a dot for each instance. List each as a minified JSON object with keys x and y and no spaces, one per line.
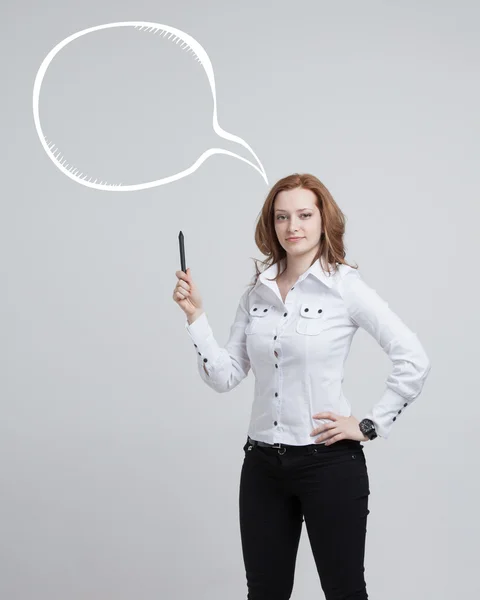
{"x":303,"y":456}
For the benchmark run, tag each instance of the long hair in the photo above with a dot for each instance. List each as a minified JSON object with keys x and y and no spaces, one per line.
{"x":331,"y":249}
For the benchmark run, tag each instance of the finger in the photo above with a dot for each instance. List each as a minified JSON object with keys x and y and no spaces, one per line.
{"x":183,"y":284}
{"x":326,"y":415}
{"x":336,"y":438}
{"x":331,"y":430}
{"x":323,"y":427}
{"x":181,"y":275}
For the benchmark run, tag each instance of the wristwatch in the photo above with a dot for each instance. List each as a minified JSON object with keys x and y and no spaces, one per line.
{"x":367,"y":427}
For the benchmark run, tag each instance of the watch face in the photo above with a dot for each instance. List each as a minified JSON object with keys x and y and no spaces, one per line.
{"x":367,"y":426}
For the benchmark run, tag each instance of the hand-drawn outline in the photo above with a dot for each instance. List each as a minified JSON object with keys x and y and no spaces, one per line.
{"x":200,"y":55}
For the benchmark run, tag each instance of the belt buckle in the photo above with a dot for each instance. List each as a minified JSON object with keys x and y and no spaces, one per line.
{"x":280,"y":447}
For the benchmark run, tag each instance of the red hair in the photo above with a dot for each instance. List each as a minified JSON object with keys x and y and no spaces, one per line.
{"x":331,"y":249}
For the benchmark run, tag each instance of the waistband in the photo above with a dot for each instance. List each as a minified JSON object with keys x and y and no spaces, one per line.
{"x":346,"y":442}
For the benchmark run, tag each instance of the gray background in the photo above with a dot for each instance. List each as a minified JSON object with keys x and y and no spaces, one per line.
{"x":119,"y":467}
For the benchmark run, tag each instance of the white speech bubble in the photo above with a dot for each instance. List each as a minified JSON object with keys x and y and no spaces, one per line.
{"x":187,"y":43}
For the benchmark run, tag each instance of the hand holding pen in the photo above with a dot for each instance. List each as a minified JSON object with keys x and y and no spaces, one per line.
{"x":186,"y":293}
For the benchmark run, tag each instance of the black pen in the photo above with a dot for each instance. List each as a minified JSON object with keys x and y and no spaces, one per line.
{"x":181,"y":243}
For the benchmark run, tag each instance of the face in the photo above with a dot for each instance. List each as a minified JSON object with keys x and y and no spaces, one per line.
{"x":296,"y":215}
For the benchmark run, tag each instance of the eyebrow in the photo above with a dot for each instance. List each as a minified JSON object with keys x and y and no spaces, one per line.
{"x":299,"y":210}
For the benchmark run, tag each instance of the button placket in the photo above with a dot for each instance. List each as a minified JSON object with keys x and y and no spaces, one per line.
{"x":276,"y":366}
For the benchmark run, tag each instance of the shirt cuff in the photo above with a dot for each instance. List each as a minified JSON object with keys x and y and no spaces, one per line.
{"x":386,"y":411}
{"x":200,"y":329}
{"x":202,"y":336}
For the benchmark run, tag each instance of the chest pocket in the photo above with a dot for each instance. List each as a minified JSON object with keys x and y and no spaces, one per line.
{"x":260,"y":318}
{"x":312,"y":318}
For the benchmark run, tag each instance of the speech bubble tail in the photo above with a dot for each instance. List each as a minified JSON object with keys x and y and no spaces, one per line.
{"x":213,"y":151}
{"x":235,"y":138}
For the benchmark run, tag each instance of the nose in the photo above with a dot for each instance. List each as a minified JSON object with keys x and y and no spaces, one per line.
{"x":293,"y":229}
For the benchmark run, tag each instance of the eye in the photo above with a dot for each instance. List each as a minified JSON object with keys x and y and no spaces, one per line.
{"x":303,"y":215}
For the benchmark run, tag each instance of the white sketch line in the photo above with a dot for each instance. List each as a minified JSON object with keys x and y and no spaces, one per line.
{"x":190,"y":45}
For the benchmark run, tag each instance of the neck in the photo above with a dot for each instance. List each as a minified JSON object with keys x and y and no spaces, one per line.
{"x":297,"y":265}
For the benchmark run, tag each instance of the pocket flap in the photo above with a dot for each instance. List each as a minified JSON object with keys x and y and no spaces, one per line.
{"x":260,"y":309}
{"x":311,"y":310}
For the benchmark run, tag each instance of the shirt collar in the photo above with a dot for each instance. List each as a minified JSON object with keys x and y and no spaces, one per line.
{"x":314,"y":270}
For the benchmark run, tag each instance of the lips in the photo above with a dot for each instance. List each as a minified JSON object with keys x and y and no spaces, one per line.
{"x":294,"y":239}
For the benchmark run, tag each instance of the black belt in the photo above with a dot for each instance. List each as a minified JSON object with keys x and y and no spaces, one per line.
{"x":346,"y":442}
{"x":278,"y":445}
{"x":265,"y":445}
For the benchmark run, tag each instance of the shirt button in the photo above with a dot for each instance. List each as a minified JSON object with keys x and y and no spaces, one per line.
{"x":205,"y":359}
{"x":275,"y":338}
{"x":274,"y":422}
{"x":276,"y":394}
{"x":394,"y":419}
{"x":199,"y":354}
{"x":285,"y":314}
{"x":405,"y":404}
{"x":195,"y":345}
{"x":292,"y":288}
{"x":276,"y":366}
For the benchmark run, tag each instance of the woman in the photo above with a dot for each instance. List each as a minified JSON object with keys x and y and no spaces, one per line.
{"x":303,"y":457}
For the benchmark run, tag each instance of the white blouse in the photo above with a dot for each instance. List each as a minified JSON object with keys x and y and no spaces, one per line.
{"x":297,"y":352}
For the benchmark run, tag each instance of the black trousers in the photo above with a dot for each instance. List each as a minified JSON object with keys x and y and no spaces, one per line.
{"x":325,"y":486}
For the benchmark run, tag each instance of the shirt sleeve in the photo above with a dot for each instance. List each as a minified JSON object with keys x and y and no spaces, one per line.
{"x":410,"y":361}
{"x":222,"y":368}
